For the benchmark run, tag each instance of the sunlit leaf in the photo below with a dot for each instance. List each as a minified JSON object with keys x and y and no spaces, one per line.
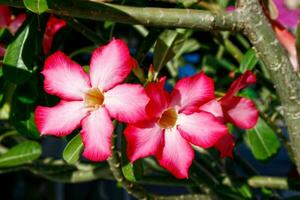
{"x":249,"y":60}
{"x":166,"y":47}
{"x":262,"y":141}
{"x":73,"y":150}
{"x":36,"y":6}
{"x":19,"y":57}
{"x":20,"y":154}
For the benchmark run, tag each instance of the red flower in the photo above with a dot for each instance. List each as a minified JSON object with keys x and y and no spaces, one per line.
{"x":91,"y":101}
{"x":7,"y":20}
{"x":53,"y":26}
{"x":239,"y":111}
{"x":174,"y":124}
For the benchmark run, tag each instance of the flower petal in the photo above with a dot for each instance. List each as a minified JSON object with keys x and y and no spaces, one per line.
{"x":17,"y":23}
{"x":225,"y":145}
{"x":5,"y":14}
{"x":243,"y":81}
{"x":177,"y":154}
{"x":201,"y":129}
{"x":214,"y":107}
{"x":189,"y":93}
{"x":159,"y":98}
{"x":241,"y":112}
{"x":53,"y":26}
{"x":64,"y":78}
{"x":96,"y":135}
{"x":288,"y":41}
{"x":143,"y":141}
{"x":110,"y":65}
{"x":288,"y":17}
{"x":126,"y":102}
{"x":61,"y":119}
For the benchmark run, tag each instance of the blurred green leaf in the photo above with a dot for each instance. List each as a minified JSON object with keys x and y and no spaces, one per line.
{"x":187,"y":3}
{"x":20,"y":53}
{"x":27,"y":128}
{"x":27,"y":93}
{"x":166,"y":47}
{"x":36,"y":6}
{"x":73,"y":150}
{"x":262,"y":141}
{"x":20,"y":154}
{"x":248,"y":61}
{"x":132,"y":171}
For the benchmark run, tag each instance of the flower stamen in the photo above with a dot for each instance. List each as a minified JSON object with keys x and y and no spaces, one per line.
{"x":168,"y":118}
{"x":93,"y":98}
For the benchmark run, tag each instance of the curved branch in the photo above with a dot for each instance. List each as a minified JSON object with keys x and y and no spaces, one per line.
{"x":286,"y":82}
{"x":149,"y":16}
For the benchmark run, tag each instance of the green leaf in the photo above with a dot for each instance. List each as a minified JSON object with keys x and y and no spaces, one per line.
{"x":248,"y":61}
{"x":21,"y":154}
{"x":131,"y":171}
{"x":36,"y":6}
{"x":20,"y":53}
{"x":166,"y":47}
{"x":73,"y":150}
{"x":27,"y":128}
{"x":262,"y":141}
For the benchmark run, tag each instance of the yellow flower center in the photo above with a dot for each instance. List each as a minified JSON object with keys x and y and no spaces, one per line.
{"x":168,"y":118}
{"x":93,"y":98}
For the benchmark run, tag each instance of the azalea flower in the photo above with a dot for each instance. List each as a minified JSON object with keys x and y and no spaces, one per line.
{"x":91,"y":101}
{"x":9,"y":21}
{"x":286,"y":16}
{"x":239,"y":111}
{"x":174,"y":123}
{"x":12,"y":23}
{"x":53,"y":26}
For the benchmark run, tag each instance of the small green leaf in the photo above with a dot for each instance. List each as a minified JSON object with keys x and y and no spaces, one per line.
{"x":262,"y":141}
{"x":166,"y":47}
{"x":36,"y":6}
{"x":248,"y":61}
{"x":21,"y":154}
{"x":131,"y":171}
{"x":20,"y":53}
{"x":73,"y":150}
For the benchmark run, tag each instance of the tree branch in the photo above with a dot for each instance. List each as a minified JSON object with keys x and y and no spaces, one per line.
{"x":287,"y":84}
{"x":149,"y":16}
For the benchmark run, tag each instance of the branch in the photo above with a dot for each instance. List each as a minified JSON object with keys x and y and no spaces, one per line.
{"x":149,"y":16}
{"x":273,"y":182}
{"x":259,"y":31}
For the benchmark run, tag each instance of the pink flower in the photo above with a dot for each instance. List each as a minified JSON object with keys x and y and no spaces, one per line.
{"x":174,"y":123}
{"x":9,"y":21}
{"x":239,"y":111}
{"x":53,"y":26}
{"x":288,"y":41}
{"x":286,"y":16}
{"x":91,"y":101}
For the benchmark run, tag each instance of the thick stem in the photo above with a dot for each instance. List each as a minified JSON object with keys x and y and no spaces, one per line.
{"x":149,"y":16}
{"x":115,"y":167}
{"x":259,"y":31}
